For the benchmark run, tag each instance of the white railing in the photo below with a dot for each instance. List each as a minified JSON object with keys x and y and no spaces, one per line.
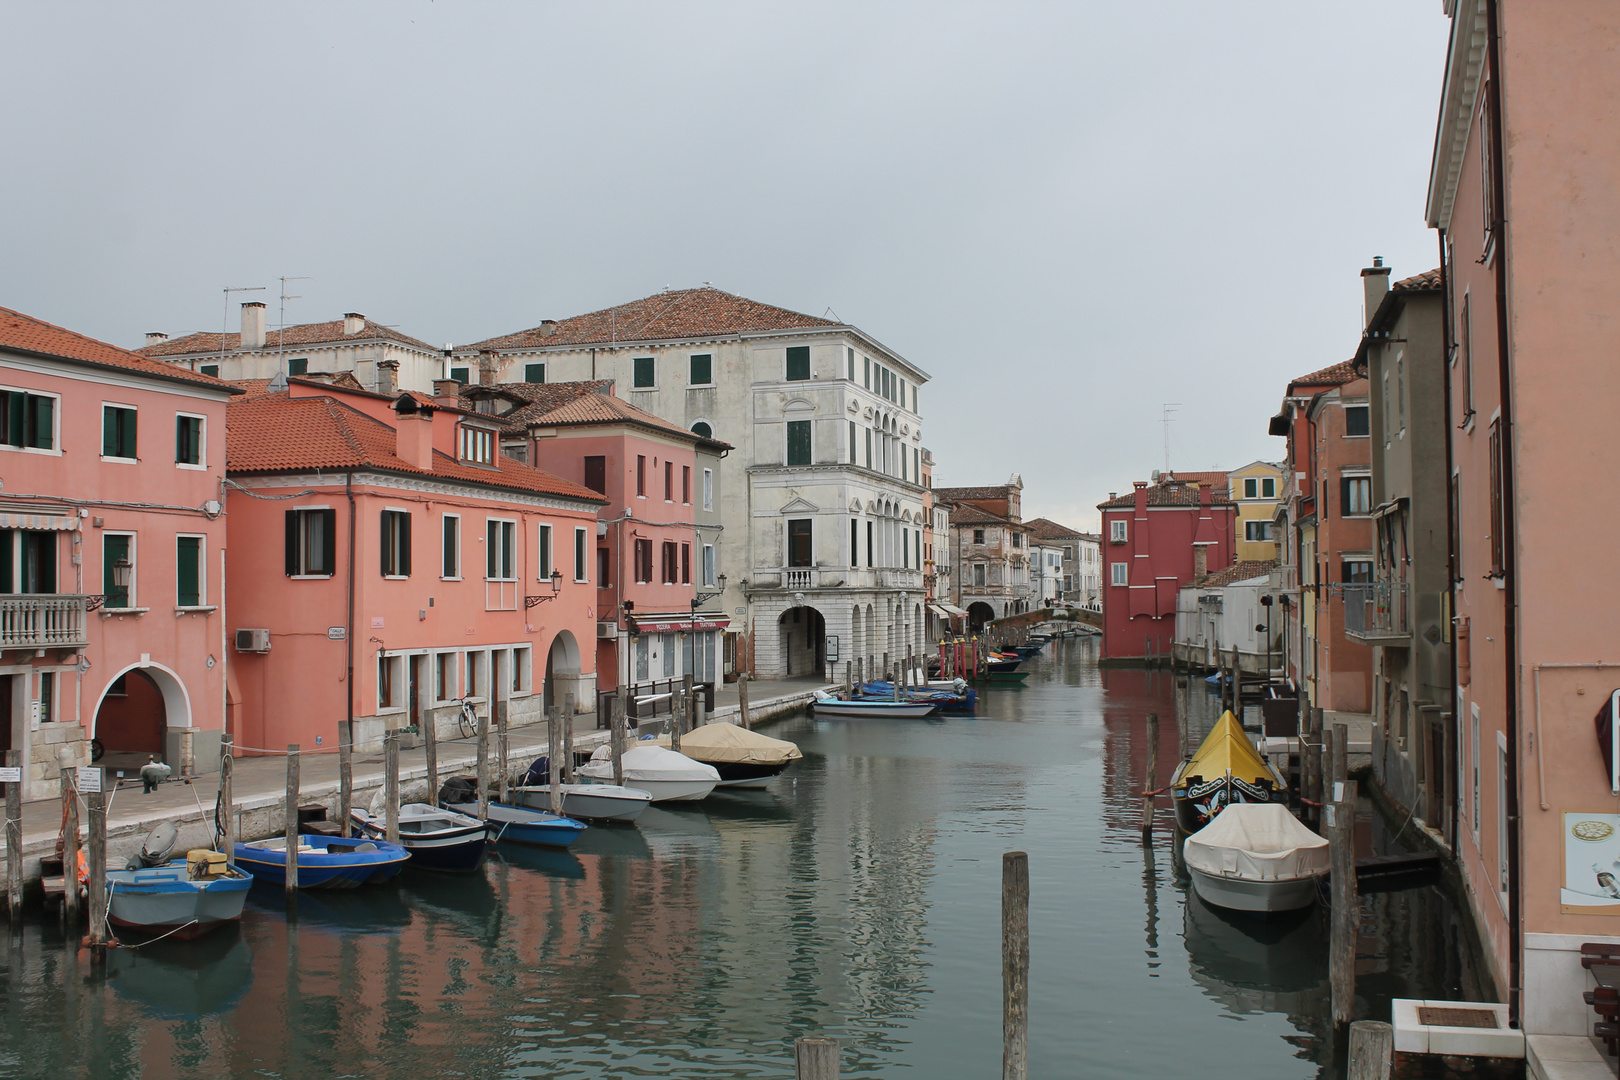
{"x":1377,"y":609}
{"x":799,"y":578}
{"x":42,"y":621}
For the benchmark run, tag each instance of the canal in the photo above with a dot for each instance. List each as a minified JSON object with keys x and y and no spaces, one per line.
{"x":858,"y":898}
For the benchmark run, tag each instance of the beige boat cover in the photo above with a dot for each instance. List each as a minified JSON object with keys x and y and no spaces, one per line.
{"x":731,"y":744}
{"x":1257,"y":842}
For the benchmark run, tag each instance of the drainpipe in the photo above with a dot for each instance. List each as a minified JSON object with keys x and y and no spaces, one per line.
{"x":1510,"y":627}
{"x":348,"y":636}
{"x":1449,"y":758}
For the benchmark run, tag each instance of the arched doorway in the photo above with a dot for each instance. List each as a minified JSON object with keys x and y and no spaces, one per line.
{"x":803,"y":634}
{"x":562,"y":670}
{"x":979,"y":613}
{"x":135,"y":713}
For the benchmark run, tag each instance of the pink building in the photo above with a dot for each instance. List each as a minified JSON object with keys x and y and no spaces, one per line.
{"x":388,"y":561}
{"x":1156,"y":540}
{"x":111,"y":556}
{"x":1523,"y":193}
{"x":653,"y":570}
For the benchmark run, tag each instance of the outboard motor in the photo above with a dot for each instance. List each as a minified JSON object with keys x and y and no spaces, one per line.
{"x":156,"y":850}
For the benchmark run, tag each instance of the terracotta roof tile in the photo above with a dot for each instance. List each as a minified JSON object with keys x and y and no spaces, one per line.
{"x":24,"y":333}
{"x":1171,"y":493}
{"x":1216,"y":479}
{"x":1047,"y":529}
{"x":327,"y":333}
{"x":1429,"y":279}
{"x":562,"y":404}
{"x":1242,"y":571}
{"x":957,"y":494}
{"x":274,"y":433}
{"x":969,"y":514}
{"x":1332,"y":375}
{"x":678,"y":313}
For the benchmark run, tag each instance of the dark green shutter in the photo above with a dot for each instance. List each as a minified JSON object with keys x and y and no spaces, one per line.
{"x":188,"y":584}
{"x":113,"y":548}
{"x":702,"y":369}
{"x":405,"y":544}
{"x":328,"y":543}
{"x":109,"y":432}
{"x":534,"y":373}
{"x":292,"y":543}
{"x":798,"y":442}
{"x":798,"y":363}
{"x":386,"y":561}
{"x":40,"y":437}
{"x":646,"y":372}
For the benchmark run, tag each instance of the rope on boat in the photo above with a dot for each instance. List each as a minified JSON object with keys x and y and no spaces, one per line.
{"x":1156,"y":793}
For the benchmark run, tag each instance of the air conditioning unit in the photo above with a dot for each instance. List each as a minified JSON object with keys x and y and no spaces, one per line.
{"x":253,"y":641}
{"x":607,"y":630}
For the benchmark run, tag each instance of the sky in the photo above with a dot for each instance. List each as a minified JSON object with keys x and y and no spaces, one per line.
{"x":1068,"y":214}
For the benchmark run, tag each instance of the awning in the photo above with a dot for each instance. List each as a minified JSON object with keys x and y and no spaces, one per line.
{"x":674,"y":623}
{"x":937,"y":610}
{"x":950,"y":611}
{"x":59,"y":518}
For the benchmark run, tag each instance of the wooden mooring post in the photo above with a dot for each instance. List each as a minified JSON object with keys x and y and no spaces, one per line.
{"x":742,"y":699}
{"x":616,"y":733}
{"x":483,"y":766}
{"x":1014,"y":966}
{"x":345,"y":775}
{"x":1346,"y":911}
{"x":1372,"y":1050}
{"x":554,"y":724}
{"x":70,"y":850}
{"x":503,"y":746}
{"x":14,"y":868}
{"x":225,"y":815}
{"x":815,"y":1057}
{"x":568,"y":738}
{"x":95,"y":804}
{"x":430,"y":746}
{"x":391,"y":787}
{"x":1152,"y":778}
{"x":289,"y":821}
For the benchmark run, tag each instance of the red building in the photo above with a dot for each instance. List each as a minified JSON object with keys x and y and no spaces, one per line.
{"x":1156,"y":540}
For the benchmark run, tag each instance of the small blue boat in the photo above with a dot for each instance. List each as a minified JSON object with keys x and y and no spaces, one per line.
{"x":520,"y":825}
{"x":324,"y":862}
{"x":169,"y":900}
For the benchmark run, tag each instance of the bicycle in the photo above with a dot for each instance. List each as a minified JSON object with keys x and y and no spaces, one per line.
{"x":469,"y":718}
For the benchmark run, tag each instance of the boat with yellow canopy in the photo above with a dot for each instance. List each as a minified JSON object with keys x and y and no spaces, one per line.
{"x":1226,"y":769}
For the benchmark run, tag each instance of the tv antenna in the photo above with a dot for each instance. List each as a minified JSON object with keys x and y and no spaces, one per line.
{"x":225,"y":317}
{"x":1168,"y":407}
{"x":279,"y":382}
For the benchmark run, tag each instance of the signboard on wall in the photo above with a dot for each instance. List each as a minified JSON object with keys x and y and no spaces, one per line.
{"x":1591,"y":883}
{"x":832,"y":648}
{"x":88,"y":779}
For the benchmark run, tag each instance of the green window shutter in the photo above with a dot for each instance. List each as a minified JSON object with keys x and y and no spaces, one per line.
{"x":109,"y":432}
{"x":292,"y":542}
{"x":127,"y":439}
{"x":188,"y":583}
{"x":40,"y":437}
{"x":113,"y":548}
{"x":534,"y":373}
{"x":798,"y":448}
{"x":212,"y":369}
{"x":702,"y":369}
{"x":328,"y":560}
{"x":646,"y":372}
{"x":298,"y":366}
{"x":386,"y":543}
{"x":490,"y":558}
{"x":798,"y":363}
{"x":459,"y":374}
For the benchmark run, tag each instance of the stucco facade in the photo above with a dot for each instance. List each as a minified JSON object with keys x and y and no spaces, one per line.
{"x":1256,"y":488}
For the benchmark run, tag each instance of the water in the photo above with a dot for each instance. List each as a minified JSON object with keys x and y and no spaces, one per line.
{"x":859,"y":898}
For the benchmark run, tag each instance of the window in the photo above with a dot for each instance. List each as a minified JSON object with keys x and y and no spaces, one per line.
{"x":1257,"y":530}
{"x":686,"y":484}
{"x":868,"y":448}
{"x":27,"y":561}
{"x":641,"y":475}
{"x":27,"y":421}
{"x":914,"y":406}
{"x":388,"y":693}
{"x":854,"y":541}
{"x":542,"y":560}
{"x":188,"y":571}
{"x":702,"y":430}
{"x":869,"y":561}
{"x":459,"y":374}
{"x":669,"y":481}
{"x":477,"y":445}
{"x":210,"y":369}
{"x":499,"y":556}
{"x":47,"y":696}
{"x":798,"y":363}
{"x":905,"y":548}
{"x":118,"y":432}
{"x":902,"y":463}
{"x":645,"y":375}
{"x":188,"y":440}
{"x":708,"y":566}
{"x":534,"y":373}
{"x":1117,"y":575}
{"x":118,"y":548}
{"x":596,"y":473}
{"x":604,"y":566}
{"x":1018,"y":540}
{"x":667,"y":562}
{"x":1455,"y":524}
{"x":396,"y":543}
{"x":1498,"y":524}
{"x":868,"y":377}
{"x":1356,"y":571}
{"x":1487,"y":166}
{"x":902,"y":396}
{"x":1068,"y":553}
{"x":450,"y":548}
{"x":1355,"y":496}
{"x":978,"y":536}
{"x":581,"y":571}
{"x":702,"y":373}
{"x":1355,"y":420}
{"x":851,"y":353}
{"x":798,"y":442}
{"x":798,"y":547}
{"x":1116,"y":532}
{"x":311,"y":542}
{"x":1251,"y":488}
{"x":708,"y":489}
{"x":1465,"y":350}
{"x":916,"y":538}
{"x":1268,"y":487}
{"x":445,"y":677}
{"x":686,"y":564}
{"x":299,"y":365}
{"x":643,"y":561}
{"x":854,"y":442}
{"x":980,"y":576}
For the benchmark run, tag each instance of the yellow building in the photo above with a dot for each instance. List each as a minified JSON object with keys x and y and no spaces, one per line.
{"x":1256,"y":488}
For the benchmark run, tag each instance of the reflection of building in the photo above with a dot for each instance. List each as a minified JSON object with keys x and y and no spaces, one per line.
{"x":111,"y":541}
{"x":453,"y":570}
{"x":825,"y":491}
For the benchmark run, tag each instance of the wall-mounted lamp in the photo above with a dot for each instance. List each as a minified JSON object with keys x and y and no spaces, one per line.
{"x":556,"y":589}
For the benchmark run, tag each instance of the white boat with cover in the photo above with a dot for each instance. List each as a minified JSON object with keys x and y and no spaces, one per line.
{"x":663,"y":774}
{"x":743,"y":758}
{"x":1256,"y":857}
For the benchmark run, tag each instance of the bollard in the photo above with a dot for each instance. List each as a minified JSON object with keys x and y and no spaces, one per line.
{"x":1346,"y":905}
{"x":1372,"y":1050}
{"x":616,"y":737}
{"x":96,"y":812}
{"x":14,"y":868}
{"x":345,"y":775}
{"x":503,"y":746}
{"x":1338,"y":768}
{"x":391,"y":787}
{"x":815,"y":1058}
{"x":290,"y":819}
{"x":1152,"y":777}
{"x":568,"y":739}
{"x":70,"y":849}
{"x":483,"y":766}
{"x":225,"y":813}
{"x":553,"y":741}
{"x":1015,"y":966}
{"x":430,"y":745}
{"x":742,"y":699}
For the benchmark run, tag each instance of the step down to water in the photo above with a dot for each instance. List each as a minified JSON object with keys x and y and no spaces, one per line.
{"x":1388,"y":873}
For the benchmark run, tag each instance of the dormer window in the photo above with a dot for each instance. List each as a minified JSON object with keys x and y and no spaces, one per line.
{"x":477,"y":445}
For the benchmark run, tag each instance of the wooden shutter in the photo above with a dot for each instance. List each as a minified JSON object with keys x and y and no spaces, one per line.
{"x":109,"y":432}
{"x":798,"y":442}
{"x":387,"y":561}
{"x":292,"y":543}
{"x":328,"y":543}
{"x":186,"y":559}
{"x":596,"y":474}
{"x":798,"y":363}
{"x":405,"y":544}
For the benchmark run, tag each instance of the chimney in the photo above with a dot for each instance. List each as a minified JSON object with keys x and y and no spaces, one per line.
{"x":1375,"y":283}
{"x":353,"y":323}
{"x":486,"y":367}
{"x":1200,"y":562}
{"x":413,"y":433}
{"x":253,"y":325}
{"x":548,"y":327}
{"x":155,"y":337}
{"x":387,"y":376}
{"x":446,"y":388}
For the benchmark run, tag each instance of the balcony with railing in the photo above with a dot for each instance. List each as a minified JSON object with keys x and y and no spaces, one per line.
{"x":43,"y":621}
{"x":1378,"y":613}
{"x":802,"y":578}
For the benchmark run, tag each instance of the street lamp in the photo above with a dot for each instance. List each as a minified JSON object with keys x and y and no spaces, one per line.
{"x":1265,"y":602}
{"x":556,"y":589}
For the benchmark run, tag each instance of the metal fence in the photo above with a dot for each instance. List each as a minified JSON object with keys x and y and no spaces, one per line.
{"x":1377,"y":608}
{"x":650,"y":700}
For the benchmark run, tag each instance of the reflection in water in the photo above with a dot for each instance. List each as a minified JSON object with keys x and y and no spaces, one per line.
{"x":857,"y":897}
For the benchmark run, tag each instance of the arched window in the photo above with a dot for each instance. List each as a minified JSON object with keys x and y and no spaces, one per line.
{"x":703,"y":429}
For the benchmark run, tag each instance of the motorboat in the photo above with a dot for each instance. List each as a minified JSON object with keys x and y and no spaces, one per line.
{"x":949,"y":695}
{"x":324,"y":862}
{"x":592,"y":802}
{"x":183,"y":898}
{"x":661,"y":772}
{"x":826,"y":704}
{"x":743,"y":758}
{"x":1226,"y":769}
{"x":521,"y":825}
{"x":1256,"y":857}
{"x":437,"y":838}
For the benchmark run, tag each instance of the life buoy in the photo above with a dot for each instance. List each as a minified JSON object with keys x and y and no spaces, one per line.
{"x":84,"y":869}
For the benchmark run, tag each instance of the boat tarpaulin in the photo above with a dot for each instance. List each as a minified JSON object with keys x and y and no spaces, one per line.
{"x":673,"y":623}
{"x":1258,"y":842}
{"x":726,"y":742}
{"x":1226,"y":751}
{"x":644,"y":761}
